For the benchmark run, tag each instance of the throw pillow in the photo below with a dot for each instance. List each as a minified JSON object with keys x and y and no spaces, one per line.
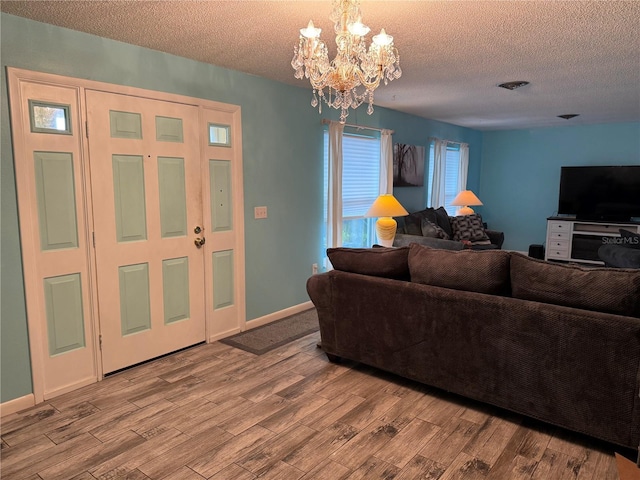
{"x":468,"y":227}
{"x":432,"y":230}
{"x":413,"y":221}
{"x":475,"y":271}
{"x":378,"y":262}
{"x":610,"y":290}
{"x":629,"y":239}
{"x":412,"y":225}
{"x":443,"y":221}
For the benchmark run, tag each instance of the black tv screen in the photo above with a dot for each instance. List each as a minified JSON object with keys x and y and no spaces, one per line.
{"x":605,"y":193}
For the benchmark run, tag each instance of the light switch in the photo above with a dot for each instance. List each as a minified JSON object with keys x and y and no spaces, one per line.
{"x":260,"y":212}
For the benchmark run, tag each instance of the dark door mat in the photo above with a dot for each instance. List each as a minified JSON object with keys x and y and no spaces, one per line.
{"x":263,"y":339}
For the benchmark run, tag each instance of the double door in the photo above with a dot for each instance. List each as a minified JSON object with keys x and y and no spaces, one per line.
{"x":131,"y":228}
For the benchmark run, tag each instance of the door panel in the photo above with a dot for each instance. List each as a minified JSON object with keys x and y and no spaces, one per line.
{"x":147,"y":205}
{"x":175,"y":281}
{"x":223,"y":206}
{"x":53,"y":230}
{"x":65,"y":320}
{"x":56,"y":200}
{"x":128,"y":192}
{"x":222,"y":279}
{"x":135,"y":307}
{"x":173,"y":205}
{"x":220,"y":187}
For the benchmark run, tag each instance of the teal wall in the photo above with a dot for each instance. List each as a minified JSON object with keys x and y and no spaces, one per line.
{"x":282,"y":149}
{"x":520,"y":172}
{"x":418,"y":133}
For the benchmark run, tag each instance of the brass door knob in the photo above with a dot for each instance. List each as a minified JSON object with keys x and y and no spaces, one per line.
{"x":199,"y":242}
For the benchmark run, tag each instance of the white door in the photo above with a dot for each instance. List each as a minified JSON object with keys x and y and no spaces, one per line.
{"x":47,"y":135}
{"x":146,"y":178}
{"x":223,"y":221}
{"x":146,"y":185}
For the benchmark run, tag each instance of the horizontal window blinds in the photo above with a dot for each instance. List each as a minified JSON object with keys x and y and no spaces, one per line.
{"x":360,"y":173}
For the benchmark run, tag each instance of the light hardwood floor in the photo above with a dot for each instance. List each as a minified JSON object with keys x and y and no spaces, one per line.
{"x":217,"y":412}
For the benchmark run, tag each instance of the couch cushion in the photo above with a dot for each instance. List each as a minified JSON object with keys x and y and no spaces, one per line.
{"x":432,"y":230}
{"x":468,"y":227}
{"x":378,"y":262}
{"x":610,"y":290}
{"x":443,"y":221}
{"x":412,"y":225}
{"x":413,"y":221}
{"x":439,"y":217}
{"x":474,"y":271}
{"x":402,"y":240}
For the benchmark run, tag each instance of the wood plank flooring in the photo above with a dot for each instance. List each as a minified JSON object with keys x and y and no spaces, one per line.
{"x":216,"y":412}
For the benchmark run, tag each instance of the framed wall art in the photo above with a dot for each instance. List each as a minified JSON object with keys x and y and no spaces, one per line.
{"x":408,"y":165}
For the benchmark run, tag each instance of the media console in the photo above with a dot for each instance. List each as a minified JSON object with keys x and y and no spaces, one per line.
{"x":571,"y":240}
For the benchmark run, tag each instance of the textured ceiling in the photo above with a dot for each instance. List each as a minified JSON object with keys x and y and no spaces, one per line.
{"x":580,"y":56}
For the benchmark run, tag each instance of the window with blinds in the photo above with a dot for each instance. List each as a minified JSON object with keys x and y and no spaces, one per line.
{"x":451,"y":174}
{"x":360,"y":186}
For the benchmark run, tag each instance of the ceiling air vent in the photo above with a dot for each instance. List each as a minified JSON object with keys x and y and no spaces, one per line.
{"x":568,"y":116}
{"x":513,"y":85}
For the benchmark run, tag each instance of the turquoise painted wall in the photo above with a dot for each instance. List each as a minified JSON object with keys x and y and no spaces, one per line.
{"x":282,"y":148}
{"x":418,"y":133}
{"x":520,"y":172}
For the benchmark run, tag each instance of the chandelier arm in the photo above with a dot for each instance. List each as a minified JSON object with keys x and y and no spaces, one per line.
{"x":370,"y":85}
{"x":321,"y":82}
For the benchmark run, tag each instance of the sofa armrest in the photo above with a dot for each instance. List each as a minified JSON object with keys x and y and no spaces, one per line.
{"x":402,"y":240}
{"x":497,"y":238}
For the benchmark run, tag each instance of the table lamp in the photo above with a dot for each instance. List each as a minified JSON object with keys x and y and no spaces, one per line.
{"x":463,"y":200}
{"x":385,"y":207}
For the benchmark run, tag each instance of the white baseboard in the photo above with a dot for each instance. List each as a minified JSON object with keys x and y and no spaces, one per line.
{"x":17,"y":404}
{"x":272,"y":317}
{"x":70,"y":388}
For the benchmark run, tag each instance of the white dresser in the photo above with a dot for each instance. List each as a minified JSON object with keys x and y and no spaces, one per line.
{"x":571,"y":240}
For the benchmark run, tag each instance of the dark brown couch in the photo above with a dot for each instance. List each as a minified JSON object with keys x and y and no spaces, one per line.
{"x":557,"y":343}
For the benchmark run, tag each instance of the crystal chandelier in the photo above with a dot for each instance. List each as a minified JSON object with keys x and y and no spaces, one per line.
{"x":355,"y":72}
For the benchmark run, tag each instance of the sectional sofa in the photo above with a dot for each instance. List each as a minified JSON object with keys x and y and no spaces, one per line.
{"x":554,"y":342}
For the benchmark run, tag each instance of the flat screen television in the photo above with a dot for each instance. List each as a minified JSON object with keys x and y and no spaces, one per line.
{"x":604,"y":193}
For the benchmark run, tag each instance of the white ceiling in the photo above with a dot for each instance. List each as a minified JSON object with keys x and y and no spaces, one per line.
{"x":580,"y":56}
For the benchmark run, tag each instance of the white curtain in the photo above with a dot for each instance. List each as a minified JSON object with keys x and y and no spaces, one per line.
{"x":334,"y":208}
{"x":439,"y":172}
{"x":463,"y":167}
{"x":386,"y":162}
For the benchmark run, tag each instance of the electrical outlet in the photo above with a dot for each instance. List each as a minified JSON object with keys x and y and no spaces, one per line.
{"x":260,"y":212}
{"x":314,"y":269}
